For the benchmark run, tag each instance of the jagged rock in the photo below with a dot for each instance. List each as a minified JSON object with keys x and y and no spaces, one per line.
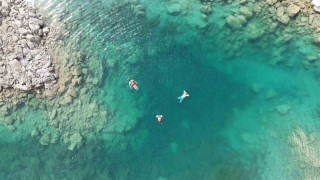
{"x":75,"y":141}
{"x":234,"y":22}
{"x":293,"y":10}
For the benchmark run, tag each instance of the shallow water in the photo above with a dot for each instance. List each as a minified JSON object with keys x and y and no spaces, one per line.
{"x":224,"y":130}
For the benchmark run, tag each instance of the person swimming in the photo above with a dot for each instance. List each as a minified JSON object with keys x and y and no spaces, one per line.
{"x":159,"y":117}
{"x":133,"y":84}
{"x":185,"y":94}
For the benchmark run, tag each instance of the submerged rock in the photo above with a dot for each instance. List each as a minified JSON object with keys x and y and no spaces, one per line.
{"x":249,"y":138}
{"x":206,"y":9}
{"x":174,"y":9}
{"x":257,"y":87}
{"x":283,"y":109}
{"x":246,"y":12}
{"x":270,"y":94}
{"x":45,"y":139}
{"x":253,"y":32}
{"x":75,"y":141}
{"x":203,"y":25}
{"x":234,"y":22}
{"x":11,"y":128}
{"x":35,"y":133}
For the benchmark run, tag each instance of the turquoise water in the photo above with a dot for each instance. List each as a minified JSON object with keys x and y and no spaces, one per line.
{"x":224,"y":130}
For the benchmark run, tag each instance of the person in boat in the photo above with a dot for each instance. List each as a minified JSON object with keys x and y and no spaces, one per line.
{"x":133,"y":84}
{"x":185,"y":94}
{"x":159,"y":117}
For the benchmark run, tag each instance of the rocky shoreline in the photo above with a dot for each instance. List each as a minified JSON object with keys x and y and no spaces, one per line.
{"x":36,"y":71}
{"x":25,"y":62}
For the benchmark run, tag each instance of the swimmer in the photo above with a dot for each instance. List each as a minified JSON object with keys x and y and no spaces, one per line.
{"x":133,"y":84}
{"x":185,"y":94}
{"x":159,"y":117}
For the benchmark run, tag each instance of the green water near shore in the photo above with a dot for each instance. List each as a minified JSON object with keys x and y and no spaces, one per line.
{"x":224,"y":130}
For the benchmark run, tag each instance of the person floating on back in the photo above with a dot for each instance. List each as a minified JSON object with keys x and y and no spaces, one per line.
{"x":185,"y":94}
{"x":133,"y":84}
{"x":159,"y":117}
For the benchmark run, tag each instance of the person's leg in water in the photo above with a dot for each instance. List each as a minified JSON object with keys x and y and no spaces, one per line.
{"x":180,"y":98}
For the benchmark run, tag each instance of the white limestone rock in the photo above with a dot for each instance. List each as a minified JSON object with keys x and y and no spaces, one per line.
{"x":316,"y":5}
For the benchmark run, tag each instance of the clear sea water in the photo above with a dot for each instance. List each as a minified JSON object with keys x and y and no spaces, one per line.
{"x":223,"y":131}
